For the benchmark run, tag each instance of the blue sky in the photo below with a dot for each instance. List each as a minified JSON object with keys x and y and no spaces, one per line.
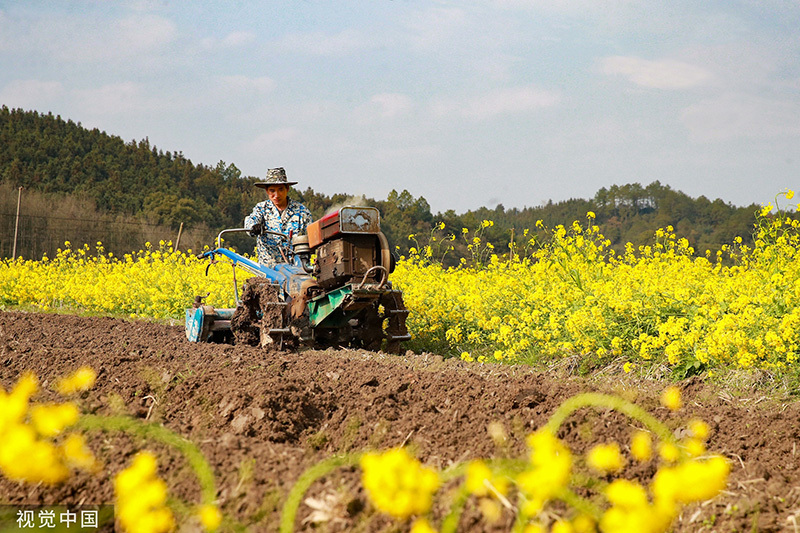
{"x":467,"y":103}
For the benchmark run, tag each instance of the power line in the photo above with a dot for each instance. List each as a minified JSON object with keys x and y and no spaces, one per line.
{"x":95,"y":220}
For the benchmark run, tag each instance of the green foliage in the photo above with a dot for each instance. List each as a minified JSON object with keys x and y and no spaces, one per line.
{"x":688,"y":368}
{"x":47,"y":154}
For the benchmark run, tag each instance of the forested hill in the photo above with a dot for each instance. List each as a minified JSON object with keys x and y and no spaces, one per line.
{"x":108,"y":177}
{"x":47,"y":154}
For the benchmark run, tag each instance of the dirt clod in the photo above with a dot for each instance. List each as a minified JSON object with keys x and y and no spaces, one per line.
{"x":259,"y":308}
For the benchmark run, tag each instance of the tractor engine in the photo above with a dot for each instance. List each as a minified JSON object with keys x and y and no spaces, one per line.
{"x":350,"y":247}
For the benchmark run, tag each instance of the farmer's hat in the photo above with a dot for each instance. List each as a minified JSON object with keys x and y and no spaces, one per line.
{"x":275,"y":176}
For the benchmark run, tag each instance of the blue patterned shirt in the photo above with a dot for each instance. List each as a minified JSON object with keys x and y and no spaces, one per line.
{"x":295,"y":218}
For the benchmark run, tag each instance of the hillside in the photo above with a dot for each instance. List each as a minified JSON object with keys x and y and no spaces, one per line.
{"x":123,"y":193}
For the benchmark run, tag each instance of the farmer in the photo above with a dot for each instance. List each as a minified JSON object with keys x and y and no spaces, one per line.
{"x":277,"y":213}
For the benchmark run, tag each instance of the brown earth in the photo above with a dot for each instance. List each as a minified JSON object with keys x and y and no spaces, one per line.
{"x":261,"y":418}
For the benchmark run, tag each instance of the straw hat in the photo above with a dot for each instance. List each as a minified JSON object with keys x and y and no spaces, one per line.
{"x":275,"y":176}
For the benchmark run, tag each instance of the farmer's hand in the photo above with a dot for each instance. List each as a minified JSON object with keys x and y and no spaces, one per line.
{"x":256,"y":230}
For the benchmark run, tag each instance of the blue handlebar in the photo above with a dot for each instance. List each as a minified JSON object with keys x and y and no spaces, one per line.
{"x":289,"y":275}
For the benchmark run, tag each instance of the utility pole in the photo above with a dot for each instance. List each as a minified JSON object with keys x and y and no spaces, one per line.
{"x":178,"y":240}
{"x":16,"y":225}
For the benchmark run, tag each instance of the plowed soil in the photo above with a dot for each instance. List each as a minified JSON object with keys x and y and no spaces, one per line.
{"x":261,"y":418}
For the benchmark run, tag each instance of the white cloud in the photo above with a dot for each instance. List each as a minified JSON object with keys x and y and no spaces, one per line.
{"x":324,"y":44}
{"x":499,"y":102}
{"x":116,"y":99}
{"x":142,"y":5}
{"x":6,"y":38}
{"x":737,"y":115}
{"x":238,"y":38}
{"x":656,"y":74}
{"x":401,"y":155}
{"x":433,"y":27}
{"x":749,"y":67}
{"x":572,"y":7}
{"x":384,"y":106}
{"x":270,"y":141}
{"x":30,"y":94}
{"x":140,"y":33}
{"x":232,"y":40}
{"x":260,"y":84}
{"x":86,"y":38}
{"x":98,"y":40}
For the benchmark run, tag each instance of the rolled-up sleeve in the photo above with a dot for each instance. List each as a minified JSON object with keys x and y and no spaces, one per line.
{"x":257,"y":216}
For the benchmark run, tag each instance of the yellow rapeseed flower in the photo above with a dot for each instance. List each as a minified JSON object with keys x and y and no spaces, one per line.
{"x":699,"y":429}
{"x":27,"y":452}
{"x":631,"y":512}
{"x":480,"y":478}
{"x":668,"y":452}
{"x":25,"y":457}
{"x":51,"y":419}
{"x":694,"y":447}
{"x":397,"y":483}
{"x":584,"y":523}
{"x":210,"y":516}
{"x":641,"y":446}
{"x":77,"y":453}
{"x":691,"y":481}
{"x":606,"y":458}
{"x":141,"y":497}
{"x":478,"y":473}
{"x":421,"y":525}
{"x":561,"y":526}
{"x":80,"y":380}
{"x":549,"y":471}
{"x":15,"y":404}
{"x":490,"y":509}
{"x":671,"y":398}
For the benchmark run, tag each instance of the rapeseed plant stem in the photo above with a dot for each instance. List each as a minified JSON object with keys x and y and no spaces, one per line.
{"x":450,"y":522}
{"x":594,"y":399}
{"x":190,"y":451}
{"x":306,"y":479}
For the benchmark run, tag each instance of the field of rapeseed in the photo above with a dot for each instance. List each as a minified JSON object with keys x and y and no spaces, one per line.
{"x":572,"y":294}
{"x":568,"y":293}
{"x":152,"y":283}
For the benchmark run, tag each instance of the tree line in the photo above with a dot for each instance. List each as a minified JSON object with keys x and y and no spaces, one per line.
{"x":121,"y":186}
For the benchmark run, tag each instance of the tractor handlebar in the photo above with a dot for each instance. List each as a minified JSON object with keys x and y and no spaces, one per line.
{"x":240,"y":230}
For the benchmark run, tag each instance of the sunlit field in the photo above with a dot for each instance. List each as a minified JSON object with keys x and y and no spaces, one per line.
{"x":548,"y":298}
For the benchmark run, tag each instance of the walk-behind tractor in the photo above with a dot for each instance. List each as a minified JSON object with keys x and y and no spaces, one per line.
{"x":343,"y":298}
